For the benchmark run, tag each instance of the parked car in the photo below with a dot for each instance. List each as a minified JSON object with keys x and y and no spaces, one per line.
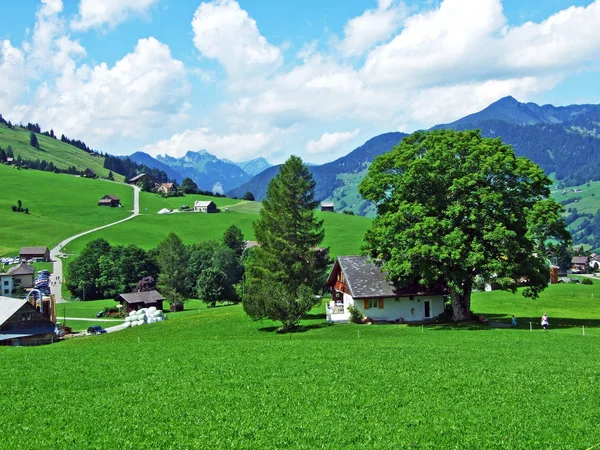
{"x":96,"y":329}
{"x":100,"y":314}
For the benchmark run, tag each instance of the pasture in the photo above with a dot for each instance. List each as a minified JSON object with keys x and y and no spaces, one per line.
{"x":212,"y":378}
{"x":59,"y":205}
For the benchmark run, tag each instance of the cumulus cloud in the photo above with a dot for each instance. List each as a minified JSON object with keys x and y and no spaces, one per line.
{"x":144,"y":90}
{"x":234,"y":146}
{"x":109,"y":13}
{"x":12,"y":74}
{"x":330,"y":140}
{"x":224,"y":31}
{"x":372,"y":27}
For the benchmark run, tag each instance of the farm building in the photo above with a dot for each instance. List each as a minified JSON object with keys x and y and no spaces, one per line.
{"x":143,"y":178}
{"x":109,"y":200}
{"x":205,"y":206}
{"x":22,"y":324}
{"x":21,"y":275}
{"x":357,"y":281}
{"x":139,"y":300}
{"x":579,"y":264}
{"x":28,"y":253}
{"x":327,"y":206}
{"x":89,"y":173}
{"x":167,"y":188}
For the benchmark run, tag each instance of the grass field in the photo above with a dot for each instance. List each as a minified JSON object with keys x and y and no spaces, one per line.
{"x":212,"y":378}
{"x":62,"y":155}
{"x":59,"y":205}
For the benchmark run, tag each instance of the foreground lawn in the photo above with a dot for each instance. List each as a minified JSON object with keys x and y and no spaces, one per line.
{"x":212,"y":378}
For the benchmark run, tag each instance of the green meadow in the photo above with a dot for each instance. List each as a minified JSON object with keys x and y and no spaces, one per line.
{"x":212,"y":378}
{"x":62,"y":155}
{"x":59,"y":205}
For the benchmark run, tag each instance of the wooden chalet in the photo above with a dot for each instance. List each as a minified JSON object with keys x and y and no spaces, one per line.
{"x":328,"y":206}
{"x":580,"y":264}
{"x":22,"y":324}
{"x":143,"y":178}
{"x":109,"y":200}
{"x":167,"y":188}
{"x":89,"y":173}
{"x":139,"y":300}
{"x":357,"y":281}
{"x":28,"y":253}
{"x":205,"y":206}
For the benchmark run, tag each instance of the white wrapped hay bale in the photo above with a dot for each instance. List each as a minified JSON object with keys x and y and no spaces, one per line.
{"x":152,"y":310}
{"x":128,"y":319}
{"x":157,"y":314}
{"x":132,"y":313}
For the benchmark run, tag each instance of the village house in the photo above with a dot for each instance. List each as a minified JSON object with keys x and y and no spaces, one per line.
{"x":357,"y":281}
{"x":109,"y":200}
{"x":89,"y":173}
{"x":139,"y":300}
{"x":34,"y":253}
{"x":167,"y":188}
{"x":143,"y":178}
{"x":327,"y":206}
{"x":205,"y":206}
{"x":22,"y":324}
{"x":579,"y":264}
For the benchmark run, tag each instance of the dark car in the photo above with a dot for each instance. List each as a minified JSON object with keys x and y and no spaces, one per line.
{"x":96,"y":329}
{"x":100,"y":314}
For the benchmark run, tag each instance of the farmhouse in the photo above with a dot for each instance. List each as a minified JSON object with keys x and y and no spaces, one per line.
{"x":89,"y":173}
{"x":22,"y":275}
{"x":28,"y":253}
{"x":22,"y":324}
{"x":205,"y":206}
{"x":327,"y":206}
{"x":357,"y":281}
{"x":143,"y":178}
{"x":579,"y":264}
{"x":109,"y":200}
{"x":167,"y":188}
{"x":139,"y":300}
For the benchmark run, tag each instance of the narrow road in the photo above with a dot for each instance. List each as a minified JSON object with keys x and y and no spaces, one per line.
{"x":57,"y":273}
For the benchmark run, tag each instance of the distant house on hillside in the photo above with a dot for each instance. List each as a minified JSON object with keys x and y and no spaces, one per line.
{"x":109,"y":200}
{"x":357,"y":281}
{"x":328,"y":206}
{"x":41,"y":253}
{"x":10,"y":161}
{"x":139,"y":300}
{"x":89,"y":173}
{"x":143,"y":178}
{"x":22,"y":324}
{"x":20,"y":275}
{"x":205,"y":206}
{"x":167,"y":188}
{"x":579,"y":264}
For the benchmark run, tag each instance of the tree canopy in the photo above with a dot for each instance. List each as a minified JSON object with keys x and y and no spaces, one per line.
{"x":452,"y":206}
{"x":173,"y":259}
{"x":287,"y":259}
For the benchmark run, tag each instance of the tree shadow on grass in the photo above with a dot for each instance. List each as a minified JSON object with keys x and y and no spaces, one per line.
{"x":297,"y":329}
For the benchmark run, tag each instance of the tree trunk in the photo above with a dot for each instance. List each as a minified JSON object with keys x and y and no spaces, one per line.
{"x":461,"y":303}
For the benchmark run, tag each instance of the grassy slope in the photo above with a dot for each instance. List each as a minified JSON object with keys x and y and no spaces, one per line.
{"x":60,"y":205}
{"x":213,"y":378}
{"x":52,"y":150}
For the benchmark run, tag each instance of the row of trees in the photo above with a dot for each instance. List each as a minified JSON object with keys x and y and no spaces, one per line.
{"x":129,"y":168}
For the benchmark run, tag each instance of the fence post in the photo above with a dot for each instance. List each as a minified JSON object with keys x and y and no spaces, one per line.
{"x":583,"y":329}
{"x":530,"y":326}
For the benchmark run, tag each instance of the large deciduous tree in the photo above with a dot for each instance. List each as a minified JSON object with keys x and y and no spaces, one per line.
{"x":173,"y":259}
{"x":452,"y":206}
{"x":286,"y":261}
{"x":234,"y":239}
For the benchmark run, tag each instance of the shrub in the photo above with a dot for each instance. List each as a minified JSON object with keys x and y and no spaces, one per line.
{"x":587,"y":281}
{"x":356,"y":315}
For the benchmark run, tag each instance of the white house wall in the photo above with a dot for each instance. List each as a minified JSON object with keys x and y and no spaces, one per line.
{"x":404,"y":308}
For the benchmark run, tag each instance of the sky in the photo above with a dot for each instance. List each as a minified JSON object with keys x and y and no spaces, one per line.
{"x":271,"y":78}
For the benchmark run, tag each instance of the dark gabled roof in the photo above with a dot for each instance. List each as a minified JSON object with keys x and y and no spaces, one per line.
{"x":33,"y":250}
{"x":141,"y":297}
{"x":579,"y":260}
{"x":110,"y":197}
{"x":366,"y":280}
{"x":21,"y":269}
{"x":88,"y":170}
{"x":137,"y":177}
{"x":9,"y":306}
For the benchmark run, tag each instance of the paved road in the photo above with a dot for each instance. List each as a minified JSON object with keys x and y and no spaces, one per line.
{"x":57,"y":275}
{"x":90,"y":319}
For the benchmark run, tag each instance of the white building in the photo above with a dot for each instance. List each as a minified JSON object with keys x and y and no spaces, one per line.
{"x":205,"y":206}
{"x":357,"y":281}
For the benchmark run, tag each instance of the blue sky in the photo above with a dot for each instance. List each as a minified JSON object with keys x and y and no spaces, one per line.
{"x":244,"y":79}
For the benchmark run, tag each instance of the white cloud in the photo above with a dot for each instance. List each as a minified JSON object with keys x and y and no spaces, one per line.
{"x":145,"y":90}
{"x":12,"y":74}
{"x":223,"y":31}
{"x":372,"y":27}
{"x":109,"y":13}
{"x":330,"y":140}
{"x":234,"y":146}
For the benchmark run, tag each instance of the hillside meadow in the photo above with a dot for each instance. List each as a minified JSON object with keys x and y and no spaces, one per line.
{"x":60,"y":206}
{"x":62,"y":155}
{"x":212,"y":378}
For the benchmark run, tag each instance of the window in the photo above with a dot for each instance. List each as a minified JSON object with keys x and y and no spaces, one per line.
{"x":373,"y":303}
{"x":26,"y":317}
{"x":5,"y":282}
{"x":6,"y":291}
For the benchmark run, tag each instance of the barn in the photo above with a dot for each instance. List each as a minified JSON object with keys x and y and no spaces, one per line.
{"x":23,"y":325}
